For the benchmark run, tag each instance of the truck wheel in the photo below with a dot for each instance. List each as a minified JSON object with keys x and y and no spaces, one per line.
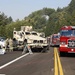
{"x":44,"y":50}
{"x":61,"y":53}
{"x":15,"y":44}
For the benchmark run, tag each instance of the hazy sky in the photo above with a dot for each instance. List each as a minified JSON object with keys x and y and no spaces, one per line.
{"x":18,"y":9}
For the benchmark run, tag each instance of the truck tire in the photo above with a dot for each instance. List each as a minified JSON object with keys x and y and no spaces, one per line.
{"x":15,"y":44}
{"x":44,"y":50}
{"x":60,"y":53}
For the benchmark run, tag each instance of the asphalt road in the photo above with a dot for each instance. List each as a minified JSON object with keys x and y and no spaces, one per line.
{"x":68,"y":63}
{"x":35,"y":64}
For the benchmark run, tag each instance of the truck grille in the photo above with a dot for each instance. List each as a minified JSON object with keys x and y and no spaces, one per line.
{"x":20,"y":42}
{"x":35,"y":41}
{"x":41,"y":41}
{"x":71,"y":43}
{"x":38,"y":41}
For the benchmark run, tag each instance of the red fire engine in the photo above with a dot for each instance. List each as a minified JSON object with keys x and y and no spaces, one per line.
{"x":67,"y":39}
{"x":54,"y":40}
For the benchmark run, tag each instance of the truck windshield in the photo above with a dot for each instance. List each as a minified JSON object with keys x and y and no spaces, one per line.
{"x":34,"y":33}
{"x":67,"y":32}
{"x":27,"y":33}
{"x":56,"y":36}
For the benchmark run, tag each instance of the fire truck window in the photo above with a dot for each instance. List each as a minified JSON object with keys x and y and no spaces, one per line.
{"x":55,"y":36}
{"x":74,"y":32}
{"x":66,"y":32}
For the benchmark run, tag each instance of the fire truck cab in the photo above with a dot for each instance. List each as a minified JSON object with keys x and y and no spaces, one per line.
{"x":67,"y":40}
{"x":54,"y":40}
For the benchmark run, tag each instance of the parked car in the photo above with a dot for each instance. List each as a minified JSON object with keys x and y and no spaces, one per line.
{"x":2,"y":45}
{"x":2,"y":50}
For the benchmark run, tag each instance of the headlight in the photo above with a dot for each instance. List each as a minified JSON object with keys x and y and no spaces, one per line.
{"x":29,"y":41}
{"x":45,"y":41}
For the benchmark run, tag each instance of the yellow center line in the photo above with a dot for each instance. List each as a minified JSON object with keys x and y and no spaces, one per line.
{"x":57,"y":63}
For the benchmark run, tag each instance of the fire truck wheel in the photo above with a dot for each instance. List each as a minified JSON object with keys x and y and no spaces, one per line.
{"x":61,"y":53}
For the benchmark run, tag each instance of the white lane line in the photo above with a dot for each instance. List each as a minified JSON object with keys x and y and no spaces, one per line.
{"x":13,"y":61}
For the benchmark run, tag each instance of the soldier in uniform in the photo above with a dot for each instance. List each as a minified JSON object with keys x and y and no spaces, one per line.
{"x":6,"y":44}
{"x":10,"y":44}
{"x":27,"y":48}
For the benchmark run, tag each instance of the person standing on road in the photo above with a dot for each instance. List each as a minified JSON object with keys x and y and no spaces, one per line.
{"x":15,"y":44}
{"x":10,"y":45}
{"x":6,"y":44}
{"x":27,"y":48}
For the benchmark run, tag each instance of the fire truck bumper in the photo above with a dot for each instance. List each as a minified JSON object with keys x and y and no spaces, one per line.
{"x":66,"y":49}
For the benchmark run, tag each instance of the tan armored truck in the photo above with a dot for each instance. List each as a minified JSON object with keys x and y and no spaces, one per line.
{"x":32,"y":38}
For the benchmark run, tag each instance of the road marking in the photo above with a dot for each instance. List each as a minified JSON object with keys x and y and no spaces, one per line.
{"x":57,"y":63}
{"x":13,"y":61}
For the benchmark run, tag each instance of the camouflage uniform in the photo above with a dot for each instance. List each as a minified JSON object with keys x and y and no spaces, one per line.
{"x":10,"y":44}
{"x":27,"y":48}
{"x":6,"y":44}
